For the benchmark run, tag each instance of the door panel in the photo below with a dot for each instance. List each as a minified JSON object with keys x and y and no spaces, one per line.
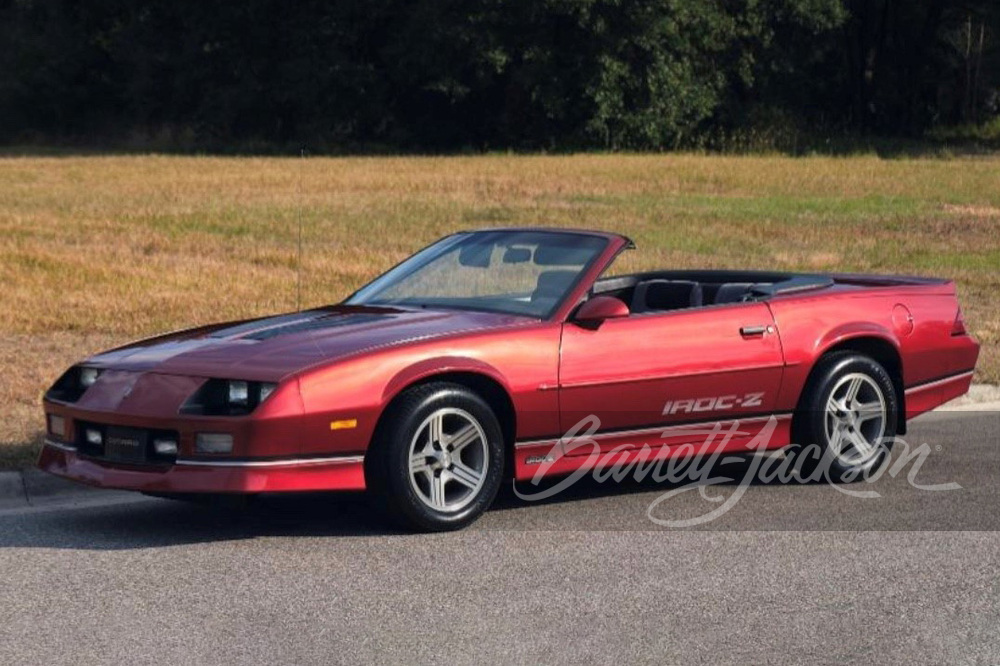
{"x":701,"y":364}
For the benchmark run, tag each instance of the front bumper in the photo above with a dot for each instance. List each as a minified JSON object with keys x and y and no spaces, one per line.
{"x":344,"y":473}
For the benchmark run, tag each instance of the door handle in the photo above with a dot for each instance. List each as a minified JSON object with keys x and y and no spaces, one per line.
{"x":754,"y":331}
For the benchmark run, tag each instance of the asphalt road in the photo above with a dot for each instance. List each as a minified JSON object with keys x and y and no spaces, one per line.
{"x":791,"y":573}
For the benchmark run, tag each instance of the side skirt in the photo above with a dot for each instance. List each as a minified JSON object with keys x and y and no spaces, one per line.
{"x":556,"y":457}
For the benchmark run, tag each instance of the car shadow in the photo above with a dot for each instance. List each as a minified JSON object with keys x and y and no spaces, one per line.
{"x":153,"y":523}
{"x":725,"y":471}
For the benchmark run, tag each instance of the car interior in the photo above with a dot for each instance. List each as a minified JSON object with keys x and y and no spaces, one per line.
{"x":662,"y":291}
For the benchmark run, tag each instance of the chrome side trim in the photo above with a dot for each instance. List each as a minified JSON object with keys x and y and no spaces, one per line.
{"x":939,"y":382}
{"x":654,"y":378}
{"x":59,"y":445}
{"x":284,"y":462}
{"x":222,"y":462}
{"x":681,"y":427}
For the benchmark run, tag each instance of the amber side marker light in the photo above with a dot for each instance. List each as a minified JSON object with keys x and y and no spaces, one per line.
{"x":344,"y":424}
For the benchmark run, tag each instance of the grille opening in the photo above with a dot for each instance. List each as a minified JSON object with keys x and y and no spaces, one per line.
{"x":123,"y":444}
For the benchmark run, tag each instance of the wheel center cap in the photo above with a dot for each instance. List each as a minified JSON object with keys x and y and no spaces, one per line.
{"x":442,"y":459}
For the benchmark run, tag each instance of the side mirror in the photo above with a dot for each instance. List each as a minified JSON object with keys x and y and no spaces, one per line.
{"x":599,"y":308}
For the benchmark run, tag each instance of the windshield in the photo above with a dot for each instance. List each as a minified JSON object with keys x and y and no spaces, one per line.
{"x":516,"y":272}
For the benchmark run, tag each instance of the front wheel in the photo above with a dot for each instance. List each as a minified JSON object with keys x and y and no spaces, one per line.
{"x":437,"y":462}
{"x":847,"y":420}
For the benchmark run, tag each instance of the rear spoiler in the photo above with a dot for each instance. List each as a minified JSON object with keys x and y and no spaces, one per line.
{"x":799,"y":283}
{"x":868,"y":280}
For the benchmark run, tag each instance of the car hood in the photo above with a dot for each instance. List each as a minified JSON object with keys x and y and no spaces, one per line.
{"x":270,"y":348}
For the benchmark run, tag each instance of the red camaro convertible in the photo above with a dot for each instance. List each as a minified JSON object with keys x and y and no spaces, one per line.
{"x":470,"y":360}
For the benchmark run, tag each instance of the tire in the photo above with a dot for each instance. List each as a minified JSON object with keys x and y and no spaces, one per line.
{"x":847,"y":419}
{"x":436,"y":462}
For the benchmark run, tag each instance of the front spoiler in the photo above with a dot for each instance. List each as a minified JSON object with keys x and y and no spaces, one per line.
{"x":222,"y":476}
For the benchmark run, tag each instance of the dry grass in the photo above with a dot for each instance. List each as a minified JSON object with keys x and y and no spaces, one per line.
{"x":98,"y":250}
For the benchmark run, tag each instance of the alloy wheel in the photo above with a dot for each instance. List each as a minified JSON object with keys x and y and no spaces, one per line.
{"x":856,"y":419}
{"x":448,"y":459}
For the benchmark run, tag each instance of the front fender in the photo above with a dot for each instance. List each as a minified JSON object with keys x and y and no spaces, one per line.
{"x":440,"y":366}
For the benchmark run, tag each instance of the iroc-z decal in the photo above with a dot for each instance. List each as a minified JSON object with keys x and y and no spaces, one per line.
{"x":713,"y":403}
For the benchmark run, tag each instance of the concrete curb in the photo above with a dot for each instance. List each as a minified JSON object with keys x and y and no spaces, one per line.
{"x":12,"y":489}
{"x":968,"y":407}
{"x":981,"y":397}
{"x":32,"y":487}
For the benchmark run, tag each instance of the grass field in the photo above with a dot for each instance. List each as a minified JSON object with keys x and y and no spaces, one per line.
{"x":95,"y":251}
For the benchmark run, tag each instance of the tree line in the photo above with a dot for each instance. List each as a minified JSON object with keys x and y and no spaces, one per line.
{"x":491,"y":74}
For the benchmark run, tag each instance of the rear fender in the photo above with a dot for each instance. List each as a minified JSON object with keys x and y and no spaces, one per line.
{"x":842,"y":336}
{"x":848,"y":331}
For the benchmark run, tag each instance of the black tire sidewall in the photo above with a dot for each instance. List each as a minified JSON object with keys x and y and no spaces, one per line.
{"x":811,"y":419}
{"x":390,"y":470}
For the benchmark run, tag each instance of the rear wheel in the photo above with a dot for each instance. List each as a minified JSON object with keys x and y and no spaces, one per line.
{"x":437,"y":461}
{"x":849,"y":415}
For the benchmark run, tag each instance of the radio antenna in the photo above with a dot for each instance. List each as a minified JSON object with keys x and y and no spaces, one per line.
{"x":298,"y":214}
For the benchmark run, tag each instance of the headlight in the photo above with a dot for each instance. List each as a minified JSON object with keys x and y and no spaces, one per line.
{"x":88,"y":376}
{"x":73,"y":384}
{"x":239,"y":393}
{"x":228,"y":397}
{"x":165,"y":446}
{"x":248,"y":394}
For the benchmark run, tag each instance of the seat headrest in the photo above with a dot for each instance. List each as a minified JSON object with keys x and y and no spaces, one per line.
{"x":732,"y":292}
{"x":654,"y":295}
{"x":553,"y":283}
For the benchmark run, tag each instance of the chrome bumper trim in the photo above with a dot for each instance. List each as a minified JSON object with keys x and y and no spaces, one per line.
{"x":69,"y":448}
{"x":222,"y":462}
{"x":939,"y":382}
{"x":284,"y":462}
